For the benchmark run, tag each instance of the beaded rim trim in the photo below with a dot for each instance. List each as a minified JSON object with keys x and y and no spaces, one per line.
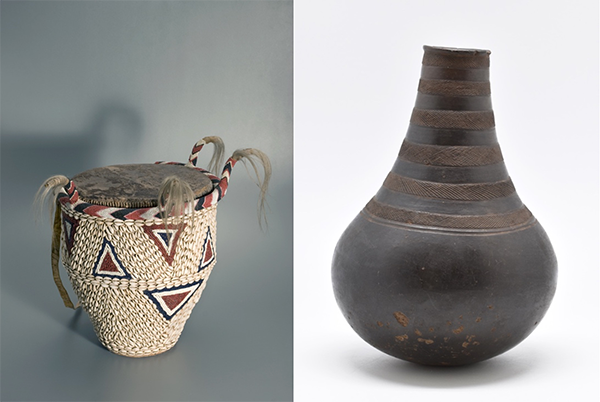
{"x":69,"y":198}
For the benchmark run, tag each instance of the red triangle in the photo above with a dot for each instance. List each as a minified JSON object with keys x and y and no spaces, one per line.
{"x":155,"y":237}
{"x":172,"y":301}
{"x":209,"y":251}
{"x":108,"y":265}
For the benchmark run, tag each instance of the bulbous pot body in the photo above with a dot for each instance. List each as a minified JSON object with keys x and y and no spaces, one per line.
{"x":440,"y":297}
{"x":445,"y":265}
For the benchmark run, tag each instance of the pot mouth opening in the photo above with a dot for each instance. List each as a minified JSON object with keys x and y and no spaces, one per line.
{"x":457,"y":51}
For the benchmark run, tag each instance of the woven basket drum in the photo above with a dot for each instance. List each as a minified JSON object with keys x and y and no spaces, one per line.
{"x":136,"y":272}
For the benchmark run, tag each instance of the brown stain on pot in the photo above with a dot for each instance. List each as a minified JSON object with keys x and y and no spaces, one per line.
{"x":401,"y":318}
{"x":425,"y":341}
{"x":469,"y":341}
{"x":417,"y":332}
{"x":401,"y":338}
{"x":458,"y":330}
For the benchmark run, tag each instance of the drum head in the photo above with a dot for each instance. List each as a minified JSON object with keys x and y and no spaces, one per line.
{"x":135,"y":186}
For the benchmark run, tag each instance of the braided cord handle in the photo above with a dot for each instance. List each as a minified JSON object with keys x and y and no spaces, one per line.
{"x":252,"y":156}
{"x":217,"y":158}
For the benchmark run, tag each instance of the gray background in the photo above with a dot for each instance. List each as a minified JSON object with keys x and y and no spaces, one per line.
{"x":86,"y":84}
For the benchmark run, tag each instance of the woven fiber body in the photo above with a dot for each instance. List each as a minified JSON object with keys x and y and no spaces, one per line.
{"x":139,"y":243}
{"x":137,"y":287}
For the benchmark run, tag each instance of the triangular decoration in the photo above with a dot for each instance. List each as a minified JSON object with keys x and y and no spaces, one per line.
{"x":164,"y":237}
{"x":108,"y":264}
{"x":160,"y":236}
{"x":69,"y":226}
{"x":208,"y":252}
{"x":170,"y":301}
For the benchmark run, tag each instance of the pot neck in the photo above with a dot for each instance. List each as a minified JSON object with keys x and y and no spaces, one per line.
{"x":454,"y":97}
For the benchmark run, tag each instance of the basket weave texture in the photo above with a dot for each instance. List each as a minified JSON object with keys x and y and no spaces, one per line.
{"x":138,"y":287}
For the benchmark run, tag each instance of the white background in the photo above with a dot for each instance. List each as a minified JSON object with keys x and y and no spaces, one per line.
{"x":356,"y":70}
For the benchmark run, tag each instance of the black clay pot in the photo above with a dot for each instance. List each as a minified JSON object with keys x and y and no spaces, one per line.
{"x":445,"y":265}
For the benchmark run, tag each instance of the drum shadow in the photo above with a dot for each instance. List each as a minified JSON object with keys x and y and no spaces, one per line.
{"x":26,"y":160}
{"x":83,"y":327}
{"x":499,"y":369}
{"x":112,"y":135}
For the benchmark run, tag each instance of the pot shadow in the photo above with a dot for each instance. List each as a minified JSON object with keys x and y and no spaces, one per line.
{"x":498,"y":369}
